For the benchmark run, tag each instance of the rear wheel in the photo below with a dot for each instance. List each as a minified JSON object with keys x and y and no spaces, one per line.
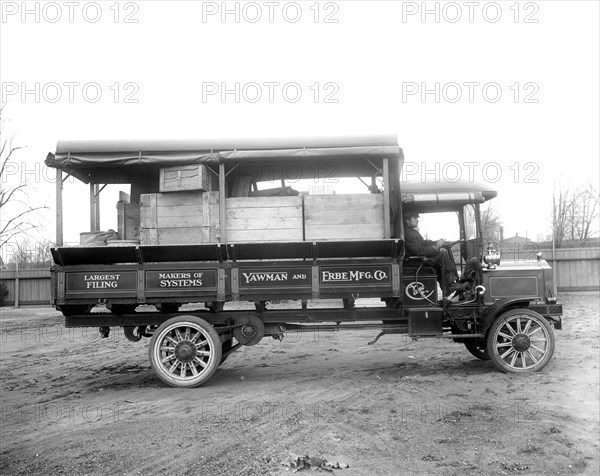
{"x":249,"y":330}
{"x":477,"y":349}
{"x":185,"y":351}
{"x":226,"y":347}
{"x":520,"y":341}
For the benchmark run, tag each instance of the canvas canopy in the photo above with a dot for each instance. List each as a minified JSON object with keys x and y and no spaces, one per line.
{"x":81,"y":158}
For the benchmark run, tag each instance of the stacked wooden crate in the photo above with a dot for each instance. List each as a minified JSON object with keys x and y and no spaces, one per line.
{"x":343,"y":217}
{"x":179,"y":218}
{"x":186,"y":212}
{"x":128,"y":220}
{"x":256,"y":219}
{"x":193,"y":218}
{"x":185,"y":178}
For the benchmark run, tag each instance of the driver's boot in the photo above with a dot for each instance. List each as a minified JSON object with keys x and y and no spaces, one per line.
{"x":450,"y":283}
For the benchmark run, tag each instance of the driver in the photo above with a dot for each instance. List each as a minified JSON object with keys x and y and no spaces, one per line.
{"x":415,"y":245}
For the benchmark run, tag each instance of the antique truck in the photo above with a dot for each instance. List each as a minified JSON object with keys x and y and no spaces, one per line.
{"x":202,"y":228}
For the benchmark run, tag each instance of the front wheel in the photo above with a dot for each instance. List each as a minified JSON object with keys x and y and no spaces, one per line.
{"x":185,"y":351}
{"x":520,"y":341}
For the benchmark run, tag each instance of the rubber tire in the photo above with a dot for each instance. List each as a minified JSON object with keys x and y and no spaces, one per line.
{"x":475,"y":349}
{"x":492,"y":350}
{"x":130,"y":334}
{"x":213,"y":342}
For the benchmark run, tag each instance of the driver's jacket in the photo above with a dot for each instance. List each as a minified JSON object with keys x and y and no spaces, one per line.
{"x":415,"y":245}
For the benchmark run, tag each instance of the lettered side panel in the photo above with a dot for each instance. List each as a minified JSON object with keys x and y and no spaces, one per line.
{"x":264,"y":282}
{"x":101,"y":283}
{"x":188,"y":282}
{"x":358,"y":279}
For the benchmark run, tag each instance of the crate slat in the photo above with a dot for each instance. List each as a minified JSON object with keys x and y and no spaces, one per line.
{"x":267,"y":222}
{"x":242,"y":236}
{"x":356,"y":201}
{"x":274,"y":212}
{"x":186,"y":236}
{"x":336,"y":217}
{"x":263,"y":202}
{"x":344,"y":232}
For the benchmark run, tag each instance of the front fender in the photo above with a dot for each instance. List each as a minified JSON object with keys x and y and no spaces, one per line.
{"x":499,"y":307}
{"x":551,"y":312}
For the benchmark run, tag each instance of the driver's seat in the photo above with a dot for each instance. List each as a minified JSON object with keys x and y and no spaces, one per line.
{"x":418,"y":260}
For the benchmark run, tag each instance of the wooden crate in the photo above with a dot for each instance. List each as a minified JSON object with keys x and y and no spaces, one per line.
{"x":128,"y":220}
{"x":179,"y":218}
{"x":184,"y":178}
{"x":264,"y":219}
{"x":192,"y":217}
{"x":343,"y":217}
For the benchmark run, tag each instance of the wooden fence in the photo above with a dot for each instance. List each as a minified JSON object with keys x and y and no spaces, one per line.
{"x":575,"y":269}
{"x":27,"y":287}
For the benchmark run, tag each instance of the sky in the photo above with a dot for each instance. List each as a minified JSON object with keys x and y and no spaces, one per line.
{"x":504,"y":93}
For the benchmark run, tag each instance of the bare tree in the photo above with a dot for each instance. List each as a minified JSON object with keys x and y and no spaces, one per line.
{"x":490,"y":224}
{"x":28,"y":254}
{"x":573,"y":214}
{"x":16,"y":213}
{"x":561,"y":204}
{"x":588,"y":201}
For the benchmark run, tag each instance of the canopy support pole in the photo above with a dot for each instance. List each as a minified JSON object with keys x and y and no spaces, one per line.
{"x":92,"y":196}
{"x":97,"y":206}
{"x":94,"y":207}
{"x":222,"y":231}
{"x":386,"y":199}
{"x":59,"y":208}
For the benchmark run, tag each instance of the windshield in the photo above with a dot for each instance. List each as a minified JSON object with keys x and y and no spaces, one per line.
{"x":447,"y":226}
{"x":434,"y":226}
{"x":470,"y":222}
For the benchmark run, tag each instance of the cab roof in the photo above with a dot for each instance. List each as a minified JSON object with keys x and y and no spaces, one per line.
{"x":430,"y":196}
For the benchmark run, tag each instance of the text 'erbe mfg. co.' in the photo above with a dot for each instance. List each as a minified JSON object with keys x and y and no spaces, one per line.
{"x":328,"y":276}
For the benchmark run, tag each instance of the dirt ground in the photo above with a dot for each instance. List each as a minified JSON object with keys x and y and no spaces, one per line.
{"x":73,"y":403}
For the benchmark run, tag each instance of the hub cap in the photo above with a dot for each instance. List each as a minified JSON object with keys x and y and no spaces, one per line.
{"x":521,"y":342}
{"x":185,"y":351}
